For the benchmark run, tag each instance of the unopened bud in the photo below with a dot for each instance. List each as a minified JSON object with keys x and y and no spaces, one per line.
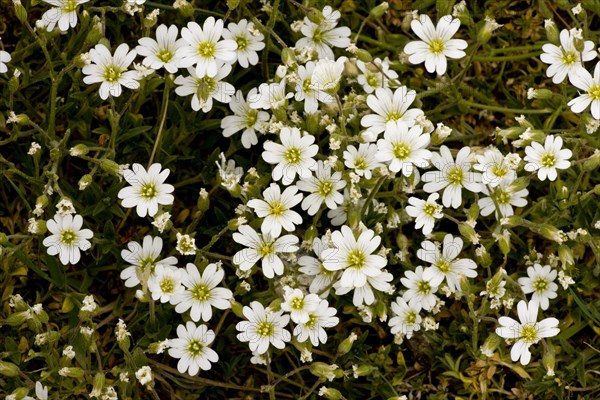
{"x":440,"y":134}
{"x":151,"y":18}
{"x":565,"y":255}
{"x":552,"y":32}
{"x":233,"y":4}
{"x":485,"y":33}
{"x":363,"y":55}
{"x":8,"y":369}
{"x":346,"y":345}
{"x":549,"y":358}
{"x":363,"y":370}
{"x":110,"y":166}
{"x":20,"y":11}
{"x":491,"y":344}
{"x":324,"y":371}
{"x":378,"y":11}
{"x":237,"y":308}
{"x":79,"y":150}
{"x":330,"y":393}
{"x":84,"y":182}
{"x":543,"y":94}
{"x":288,"y":57}
{"x":468,"y":232}
{"x":71,"y":372}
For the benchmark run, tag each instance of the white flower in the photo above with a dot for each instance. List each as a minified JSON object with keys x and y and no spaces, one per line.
{"x":299,"y":304}
{"x":323,"y":187}
{"x":144,"y":375}
{"x":161,"y":220}
{"x":65,"y":207}
{"x":147,"y":189}
{"x":244,"y":118}
{"x":89,"y":305}
{"x":4,"y":58}
{"x":205,"y":47}
{"x":324,"y":34}
{"x":111,"y":70}
{"x":591,"y":85}
{"x":294,"y":155}
{"x":444,"y":263}
{"x":191,"y":347}
{"x":406,"y":318}
{"x":248,"y":42}
{"x":527,"y":332}
{"x":304,"y":90}
{"x":495,"y":167}
{"x":276,"y":209}
{"x":420,"y":293}
{"x":452,"y":176}
{"x":165,"y":282}
{"x":311,"y":266}
{"x":144,"y":259}
{"x":205,"y":88}
{"x":364,"y":294}
{"x":325,"y":78}
{"x":391,"y":108}
{"x":269,"y":96}
{"x":404,"y":149}
{"x":68,"y":352}
{"x":540,"y":282}
{"x":34,"y":148}
{"x":263,"y":328}
{"x":321,"y":317}
{"x":436,"y":43}
{"x":425,"y":212}
{"x":548,"y":158}
{"x":67,"y":238}
{"x":354,"y":256}
{"x":186,"y":244}
{"x":262,"y":247}
{"x":566,"y":60}
{"x":501,"y":200}
{"x":64,"y":14}
{"x":363,"y":160}
{"x":164,"y":52}
{"x":230,"y":174}
{"x":202,"y":293}
{"x":376,"y":74}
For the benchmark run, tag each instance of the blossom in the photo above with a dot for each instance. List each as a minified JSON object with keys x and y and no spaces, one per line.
{"x":67,"y":238}
{"x":391,"y":108}
{"x":527,"y":332}
{"x":354,"y":256}
{"x":248,"y":41}
{"x":304,"y":89}
{"x":205,"y":88}
{"x":263,"y":328}
{"x":204,"y":47}
{"x":565,"y":60}
{"x":452,"y":176}
{"x":164,"y":52}
{"x":191,"y":347}
{"x":425,"y":212}
{"x":548,"y":158}
{"x":147,"y":189}
{"x":276,"y":209}
{"x":325,"y":78}
{"x":321,"y":317}
{"x":502,"y":199}
{"x":376,"y":74}
{"x":165,"y":282}
{"x":293,"y":156}
{"x":406,"y":319}
{"x":143,"y":260}
{"x":436,"y":43}
{"x":244,"y":118}
{"x":111,"y":70}
{"x":495,"y":167}
{"x":363,"y":160}
{"x":320,"y":36}
{"x":591,"y":85}
{"x":144,"y":375}
{"x":270,"y":96}
{"x":444,"y":263}
{"x":201,"y":292}
{"x":263,"y":247}
{"x":420,"y":293}
{"x":323,"y":186}
{"x":4,"y":58}
{"x":311,"y":266}
{"x":404,"y":148}
{"x":63,"y":14}
{"x":364,"y":294}
{"x":540,"y":282}
{"x":299,"y":304}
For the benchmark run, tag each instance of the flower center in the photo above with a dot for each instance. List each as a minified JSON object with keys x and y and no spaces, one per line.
{"x":251,"y":118}
{"x":195,"y":347}
{"x":147,"y":262}
{"x":503,"y":197}
{"x":444,"y":265}
{"x":312,"y":321}
{"x":276,"y":208}
{"x":201,"y":292}
{"x":70,"y":6}
{"x":423,"y":287}
{"x":529,"y":333}
{"x":411,"y":318}
{"x":436,"y":46}
{"x":356,"y":259}
{"x":265,"y":329}
{"x":164,"y":55}
{"x":266,"y":249}
{"x":431,"y":209}
{"x":112,"y":74}
{"x":206,"y":85}
{"x":595,"y":92}
{"x":292,"y":155}
{"x":306,"y":85}
{"x":297,"y":303}
{"x":325,"y":188}
{"x":548,"y":160}
{"x":569,"y":58}
{"x":68,"y":237}
{"x":360,"y":162}
{"x":148,"y":191}
{"x":242,"y":42}
{"x":372,"y":79}
{"x":499,"y":170}
{"x":540,"y":285}
{"x":318,"y":36}
{"x":206,"y":49}
{"x":456,"y":176}
{"x":401,"y":151}
{"x":393,"y":116}
{"x":167,"y":285}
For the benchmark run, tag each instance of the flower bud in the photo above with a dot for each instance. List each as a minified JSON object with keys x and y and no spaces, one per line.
{"x":71,"y":372}
{"x":363,"y":55}
{"x":232,"y":4}
{"x":3,"y":239}
{"x":84,"y":182}
{"x":324,"y":371}
{"x":468,"y":232}
{"x":151,"y":18}
{"x":512,"y":221}
{"x":17,"y":318}
{"x":485,"y":33}
{"x":314,"y":16}
{"x":311,"y":233}
{"x":110,"y":166}
{"x":549,"y":359}
{"x":549,"y":232}
{"x":79,"y":150}
{"x":237,"y":308}
{"x":19,"y":393}
{"x":364,"y":370}
{"x":552,"y":32}
{"x":288,"y":57}
{"x":509,"y":133}
{"x":346,"y":345}
{"x":542,"y":94}
{"x":519,"y":184}
{"x":330,"y":393}
{"x":504,"y":244}
{"x":490,"y":345}
{"x":592,"y":163}
{"x":440,"y":134}
{"x":20,"y":11}
{"x":565,"y":255}
{"x":483,"y":256}
{"x":378,"y":11}
{"x":8,"y":369}
{"x":99,"y":383}
{"x":185,"y":8}
{"x":13,"y":83}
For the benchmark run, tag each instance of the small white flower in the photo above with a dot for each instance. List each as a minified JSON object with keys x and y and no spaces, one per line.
{"x":205,"y":88}
{"x":321,"y":317}
{"x":121,"y":331}
{"x":566,"y":60}
{"x":591,"y":85}
{"x":324,"y":34}
{"x":68,"y":352}
{"x":324,"y":186}
{"x":147,"y":189}
{"x":34,"y":148}
{"x":293,"y":156}
{"x":391,"y":109}
{"x":89,"y":304}
{"x":269,"y":96}
{"x":363,"y":160}
{"x":311,"y":266}
{"x":527,"y":332}
{"x":244,"y":118}
{"x":325,"y":78}
{"x":143,"y":260}
{"x":299,"y":304}
{"x":406,"y":319}
{"x":304,"y":90}
{"x":404,"y":148}
{"x":191,"y":347}
{"x":364,"y":294}
{"x":111,"y":70}
{"x":548,"y":158}
{"x":420,"y":293}
{"x":144,"y":375}
{"x":495,"y":167}
{"x":436,"y":43}
{"x":65,"y":207}
{"x":425,"y":212}
{"x":501,"y":200}
{"x":276,"y":209}
{"x":67,"y":238}
{"x":263,"y":328}
{"x":186,"y":244}
{"x":4,"y":59}
{"x":165,"y":282}
{"x":540,"y":282}
{"x":376,"y":74}
{"x":164,"y":52}
{"x":248,"y":42}
{"x":63,"y":14}
{"x":161,"y":220}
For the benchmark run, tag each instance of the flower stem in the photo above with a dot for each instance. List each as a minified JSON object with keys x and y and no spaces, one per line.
{"x":505,"y":109}
{"x":163,"y":117}
{"x":372,"y":194}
